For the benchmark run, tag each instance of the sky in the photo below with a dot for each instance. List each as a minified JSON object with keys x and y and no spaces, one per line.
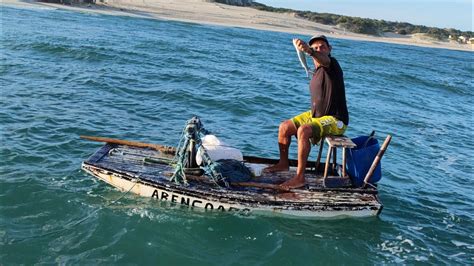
{"x":455,"y":14}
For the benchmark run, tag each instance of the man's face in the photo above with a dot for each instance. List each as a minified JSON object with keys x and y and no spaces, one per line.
{"x":321,"y":46}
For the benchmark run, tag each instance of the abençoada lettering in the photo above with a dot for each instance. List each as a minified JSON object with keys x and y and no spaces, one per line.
{"x":176,"y":198}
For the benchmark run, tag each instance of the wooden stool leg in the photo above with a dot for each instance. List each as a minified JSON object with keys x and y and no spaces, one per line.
{"x":328,"y":159}
{"x":318,"y":160}
{"x":343,"y":162}
{"x":334,"y":159}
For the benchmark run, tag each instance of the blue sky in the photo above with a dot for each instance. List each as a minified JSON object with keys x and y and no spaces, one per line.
{"x":435,"y":13}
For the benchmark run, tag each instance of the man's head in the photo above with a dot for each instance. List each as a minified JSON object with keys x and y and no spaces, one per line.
{"x":320,"y":43}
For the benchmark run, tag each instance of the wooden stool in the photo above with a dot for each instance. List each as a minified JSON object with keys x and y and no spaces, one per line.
{"x":334,"y":142}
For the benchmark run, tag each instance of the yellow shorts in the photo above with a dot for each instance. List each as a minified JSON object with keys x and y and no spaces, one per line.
{"x":322,"y":126}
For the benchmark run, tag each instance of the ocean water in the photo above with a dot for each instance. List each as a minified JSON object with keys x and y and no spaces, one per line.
{"x":65,"y":74}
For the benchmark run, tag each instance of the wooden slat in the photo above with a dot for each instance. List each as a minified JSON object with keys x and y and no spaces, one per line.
{"x":260,"y":185}
{"x":340,"y":141}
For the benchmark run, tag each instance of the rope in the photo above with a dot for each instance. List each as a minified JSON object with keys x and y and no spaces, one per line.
{"x":181,"y":160}
{"x":71,"y":224}
{"x":193,"y":132}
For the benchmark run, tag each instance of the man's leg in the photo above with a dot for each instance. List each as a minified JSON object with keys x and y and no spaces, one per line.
{"x":285,"y":132}
{"x":305,"y":132}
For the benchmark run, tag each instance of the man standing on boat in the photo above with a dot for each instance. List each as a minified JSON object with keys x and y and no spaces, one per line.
{"x":328,"y":114}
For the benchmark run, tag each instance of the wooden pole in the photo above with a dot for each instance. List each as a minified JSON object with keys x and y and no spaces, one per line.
{"x":377,"y":159}
{"x":165,"y":149}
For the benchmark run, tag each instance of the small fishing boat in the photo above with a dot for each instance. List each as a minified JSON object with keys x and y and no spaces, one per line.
{"x":149,"y":170}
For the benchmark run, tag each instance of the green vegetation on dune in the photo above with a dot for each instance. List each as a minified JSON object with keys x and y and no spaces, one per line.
{"x":378,"y":27}
{"x":359,"y":25}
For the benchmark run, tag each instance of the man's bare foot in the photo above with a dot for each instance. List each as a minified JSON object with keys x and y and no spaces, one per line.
{"x":279,"y":167}
{"x":295,"y":182}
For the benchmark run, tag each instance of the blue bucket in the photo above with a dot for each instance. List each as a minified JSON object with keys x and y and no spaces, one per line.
{"x":360,"y":158}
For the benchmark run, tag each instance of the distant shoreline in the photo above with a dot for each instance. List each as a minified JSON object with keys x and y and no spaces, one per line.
{"x":202,"y":12}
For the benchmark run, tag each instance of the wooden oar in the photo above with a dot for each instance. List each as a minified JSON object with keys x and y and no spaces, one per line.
{"x":162,"y":148}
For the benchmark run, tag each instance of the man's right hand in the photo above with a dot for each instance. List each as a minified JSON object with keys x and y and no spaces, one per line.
{"x":302,"y":46}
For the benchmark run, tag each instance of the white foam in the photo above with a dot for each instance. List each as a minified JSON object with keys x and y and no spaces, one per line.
{"x":462,"y":244}
{"x":420,"y":258}
{"x":408,"y":241}
{"x":457,"y":254}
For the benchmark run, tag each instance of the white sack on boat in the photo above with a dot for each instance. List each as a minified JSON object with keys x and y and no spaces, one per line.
{"x":217,"y":150}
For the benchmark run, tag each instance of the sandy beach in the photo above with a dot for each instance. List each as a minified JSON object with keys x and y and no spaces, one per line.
{"x":200,"y":11}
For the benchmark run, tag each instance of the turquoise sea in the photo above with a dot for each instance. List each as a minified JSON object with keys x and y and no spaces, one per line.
{"x":65,"y":74}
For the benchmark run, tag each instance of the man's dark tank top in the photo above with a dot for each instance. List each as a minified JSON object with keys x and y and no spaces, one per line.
{"x":328,"y":94}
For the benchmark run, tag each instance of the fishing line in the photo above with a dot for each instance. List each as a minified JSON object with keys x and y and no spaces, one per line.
{"x":72,"y":225}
